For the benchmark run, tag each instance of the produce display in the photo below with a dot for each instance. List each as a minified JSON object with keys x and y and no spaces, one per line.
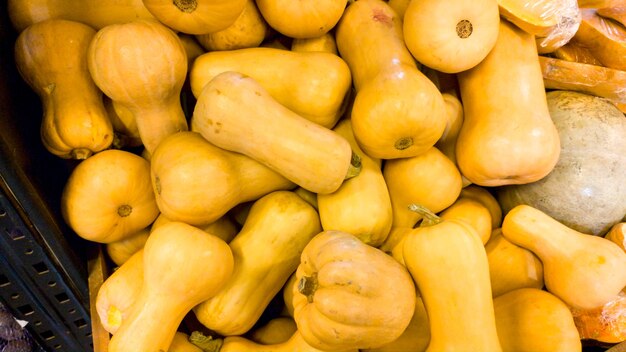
{"x":341,"y":175}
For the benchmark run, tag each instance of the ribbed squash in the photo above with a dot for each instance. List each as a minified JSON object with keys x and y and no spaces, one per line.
{"x":314,"y":85}
{"x":266,"y":252}
{"x":197,"y":182}
{"x":142,"y":65}
{"x":196,"y":16}
{"x":51,"y":57}
{"x":236,"y":113}
{"x":350,"y":295}
{"x":109,"y":197}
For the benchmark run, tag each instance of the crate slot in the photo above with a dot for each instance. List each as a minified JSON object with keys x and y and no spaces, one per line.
{"x":80,"y":323}
{"x":41,"y":268}
{"x":4,"y":281}
{"x":15,"y":296}
{"x":26,"y":310}
{"x":57,"y":347}
{"x":52,"y":283}
{"x":62,"y":297}
{"x":16,"y":234}
{"x":47,"y":335}
{"x":29,"y":251}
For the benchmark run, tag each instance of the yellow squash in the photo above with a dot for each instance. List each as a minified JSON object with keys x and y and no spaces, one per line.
{"x":51,"y":57}
{"x":472,"y":212}
{"x":120,"y":251}
{"x":266,"y":252}
{"x":196,"y":16}
{"x":277,"y":330}
{"x":304,"y":18}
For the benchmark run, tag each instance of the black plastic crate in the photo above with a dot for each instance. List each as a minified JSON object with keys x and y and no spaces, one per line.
{"x":43,"y":264}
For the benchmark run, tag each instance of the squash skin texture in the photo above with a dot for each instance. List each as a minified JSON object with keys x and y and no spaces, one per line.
{"x":147,"y":79}
{"x":349,"y":294}
{"x":201,"y":184}
{"x":236,"y":113}
{"x":51,"y":56}
{"x":183,"y":266}
{"x":507,"y":136}
{"x":266,"y":251}
{"x":582,"y":270}
{"x":295,"y":343}
{"x":432,"y":254}
{"x":109,"y":196}
{"x":292,"y":78}
{"x":411,"y":116}
{"x":302,"y":19}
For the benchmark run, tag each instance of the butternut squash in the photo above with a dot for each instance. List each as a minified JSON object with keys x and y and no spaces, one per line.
{"x":399,"y":6}
{"x":248,"y":31}
{"x":147,"y":80}
{"x":454,"y":113}
{"x":295,"y":343}
{"x":431,"y":253}
{"x":119,"y":291}
{"x":361,"y":206}
{"x":197,"y":182}
{"x":430,"y":179}
{"x":482,"y":195}
{"x":604,"y":38}
{"x":617,"y":234}
{"x":449,"y":36}
{"x":302,"y":19}
{"x":181,"y":343}
{"x":224,"y":227}
{"x":410,"y":117}
{"x":606,"y":324}
{"x":94,"y":13}
{"x":266,"y":251}
{"x":196,"y":16}
{"x":120,"y":251}
{"x":472,"y":212}
{"x":108,"y":197}
{"x":510,"y":266}
{"x":51,"y":56}
{"x":308,"y":196}
{"x":536,"y":17}
{"x":124,"y":125}
{"x":350,"y":295}
{"x":582,"y":270}
{"x":287,"y":292}
{"x":323,"y":43}
{"x":616,"y":12}
{"x":183,"y":266}
{"x":504,"y":96}
{"x":294,"y":79}
{"x":192,"y":47}
{"x":236,"y":113}
{"x":576,"y":53}
{"x":277,"y":330}
{"x":533,"y":320}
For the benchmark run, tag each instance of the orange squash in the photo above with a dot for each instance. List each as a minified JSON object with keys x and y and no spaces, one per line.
{"x":181,"y":343}
{"x":604,"y":38}
{"x":482,"y":195}
{"x":295,"y":343}
{"x":236,"y":113}
{"x":606,"y":324}
{"x":197,"y":182}
{"x":325,"y":43}
{"x":472,"y":212}
{"x":504,"y":95}
{"x":454,"y":113}
{"x":224,"y":227}
{"x":183,"y":266}
{"x":147,"y":80}
{"x":277,"y":330}
{"x":120,"y":251}
{"x":584,"y":271}
{"x":449,"y":36}
{"x":617,"y":234}
{"x":349,"y":294}
{"x":196,"y":16}
{"x":410,"y":116}
{"x":109,"y":197}
{"x":51,"y":57}
{"x":304,"y":18}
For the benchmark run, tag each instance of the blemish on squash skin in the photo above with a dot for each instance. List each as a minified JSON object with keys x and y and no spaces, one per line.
{"x":379,"y":15}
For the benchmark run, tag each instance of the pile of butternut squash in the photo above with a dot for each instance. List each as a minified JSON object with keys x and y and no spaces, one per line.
{"x":279,"y":175}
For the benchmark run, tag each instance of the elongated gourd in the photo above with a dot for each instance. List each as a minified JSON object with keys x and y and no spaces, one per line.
{"x":429,"y":179}
{"x":294,"y":343}
{"x":410,"y":117}
{"x":51,"y":56}
{"x":224,"y":227}
{"x":266,"y":251}
{"x":511,"y":267}
{"x":196,"y":182}
{"x":313,"y":85}
{"x":472,"y":212}
{"x":584,"y":271}
{"x":361,"y":206}
{"x":94,"y":13}
{"x":349,"y":294}
{"x":236,"y":113}
{"x":449,"y":36}
{"x":196,"y":16}
{"x":504,"y":95}
{"x":109,"y":196}
{"x":448,"y":263}
{"x":533,"y":320}
{"x":119,"y":291}
{"x":248,"y":31}
{"x":183,"y":266}
{"x":142,"y":65}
